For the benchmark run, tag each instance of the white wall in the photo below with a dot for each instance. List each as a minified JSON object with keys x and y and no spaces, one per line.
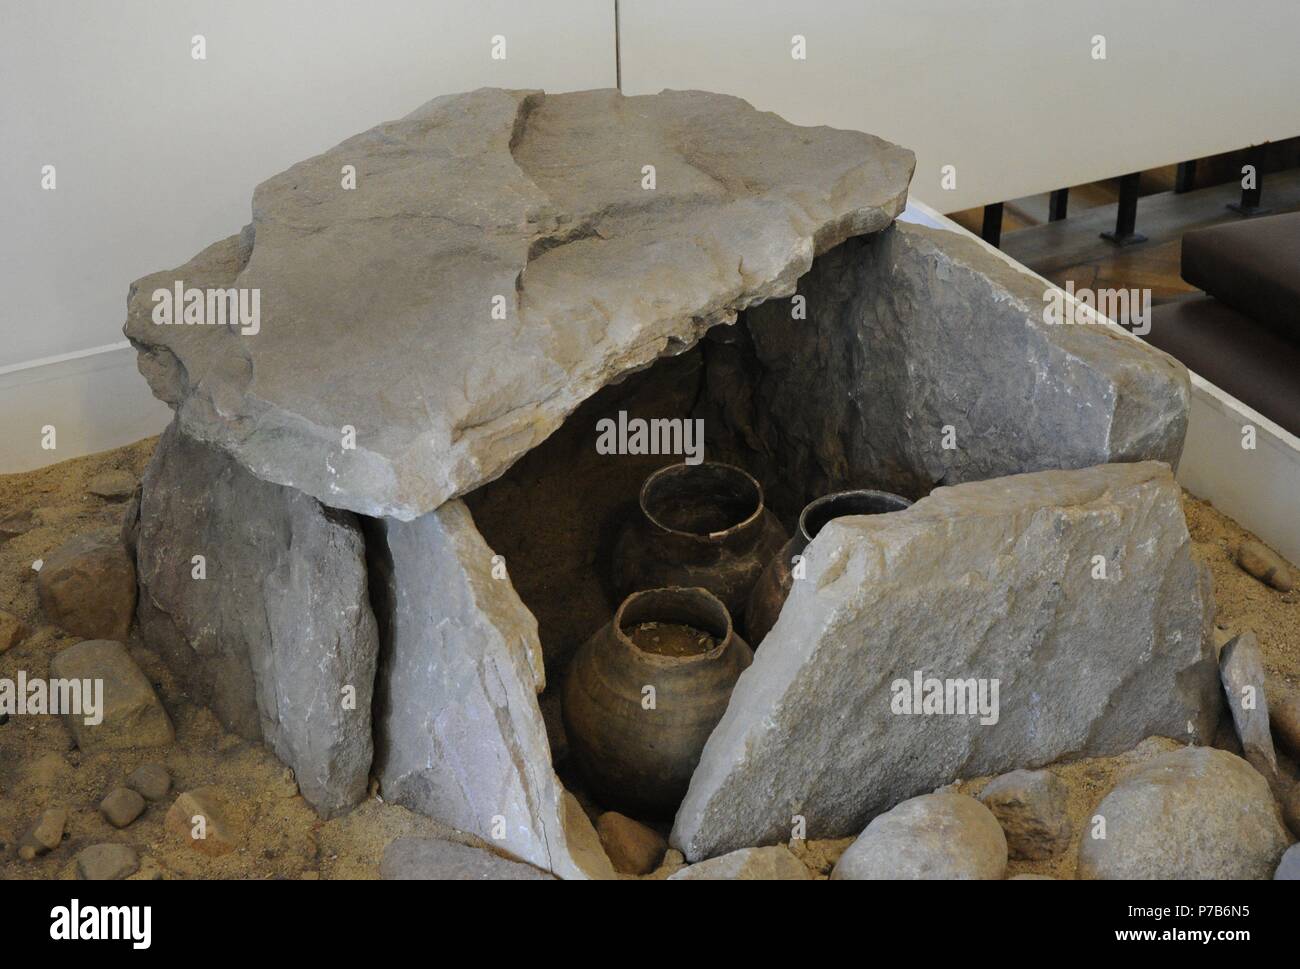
{"x":157,"y":154}
{"x":1006,"y":90}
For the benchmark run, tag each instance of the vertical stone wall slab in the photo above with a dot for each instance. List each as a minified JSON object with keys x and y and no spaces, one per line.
{"x":278,"y":636}
{"x":989,"y":581}
{"x":459,"y":734}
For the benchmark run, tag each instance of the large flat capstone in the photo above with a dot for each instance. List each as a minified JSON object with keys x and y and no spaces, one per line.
{"x":459,"y":734}
{"x":256,"y":596}
{"x":502,"y":256}
{"x":1074,"y":592}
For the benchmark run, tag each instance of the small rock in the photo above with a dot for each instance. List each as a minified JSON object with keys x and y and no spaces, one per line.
{"x":934,"y":836}
{"x":121,"y":807}
{"x":44,"y":835}
{"x":1242,"y":671}
{"x":113,"y":485}
{"x":152,"y":782}
{"x":106,"y":863}
{"x":773,"y":863}
{"x":1193,"y":813}
{"x":433,"y":859}
{"x":87,"y":587}
{"x":1032,"y":808}
{"x":15,"y":524}
{"x":132,"y":715}
{"x":1288,"y":869}
{"x":202,"y":818}
{"x":12,"y":631}
{"x":1284,"y":715}
{"x":1029,"y":876}
{"x":1265,"y":564}
{"x":633,"y":848}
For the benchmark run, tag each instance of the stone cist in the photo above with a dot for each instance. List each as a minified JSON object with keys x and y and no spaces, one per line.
{"x":422,"y":336}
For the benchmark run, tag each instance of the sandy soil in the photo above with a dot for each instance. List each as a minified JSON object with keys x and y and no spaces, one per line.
{"x":281,"y":837}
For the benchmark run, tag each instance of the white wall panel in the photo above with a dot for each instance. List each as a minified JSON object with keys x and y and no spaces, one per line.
{"x":157,"y":154}
{"x":1005,"y":90}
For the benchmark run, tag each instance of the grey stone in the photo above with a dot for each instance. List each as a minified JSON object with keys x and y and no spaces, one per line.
{"x":773,"y":863}
{"x":433,"y":859}
{"x":121,"y":807}
{"x":934,"y":836}
{"x":1193,"y":813}
{"x":982,"y":581}
{"x":133,"y":716}
{"x":107,"y":862}
{"x":150,"y":781}
{"x":1288,"y":869}
{"x":1033,"y":809}
{"x":376,"y":304}
{"x":1242,"y":670}
{"x":278,"y":637}
{"x":112,"y":485}
{"x":914,"y":330}
{"x":87,"y":586}
{"x":459,"y":735}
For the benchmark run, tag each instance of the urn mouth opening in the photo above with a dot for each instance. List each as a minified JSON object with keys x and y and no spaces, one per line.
{"x":843,"y":503}
{"x":677,"y":610}
{"x":710,"y":500}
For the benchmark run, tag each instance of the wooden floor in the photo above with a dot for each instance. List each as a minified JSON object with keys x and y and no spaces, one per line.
{"x":1072,"y":249}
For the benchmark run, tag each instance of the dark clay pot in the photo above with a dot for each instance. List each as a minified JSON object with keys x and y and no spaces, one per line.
{"x":700,"y":525}
{"x":770,"y":591}
{"x":637,"y":760}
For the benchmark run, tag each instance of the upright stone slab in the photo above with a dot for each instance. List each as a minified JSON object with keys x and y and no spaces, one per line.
{"x":278,"y":636}
{"x":925,"y":359}
{"x":995,"y":580}
{"x":458,"y":731}
{"x":504,"y":255}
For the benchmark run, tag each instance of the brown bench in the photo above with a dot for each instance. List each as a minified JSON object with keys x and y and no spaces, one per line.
{"x":1243,"y":334}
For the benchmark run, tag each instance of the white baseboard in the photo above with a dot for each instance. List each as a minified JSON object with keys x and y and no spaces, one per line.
{"x":1259,"y":488}
{"x":94,"y":399}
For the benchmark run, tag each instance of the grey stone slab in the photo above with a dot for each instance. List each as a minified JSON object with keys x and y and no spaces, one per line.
{"x":924,"y":359}
{"x":376,"y":302}
{"x":981,"y":582}
{"x":278,"y":636}
{"x":459,"y":733}
{"x":1241,"y":668}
